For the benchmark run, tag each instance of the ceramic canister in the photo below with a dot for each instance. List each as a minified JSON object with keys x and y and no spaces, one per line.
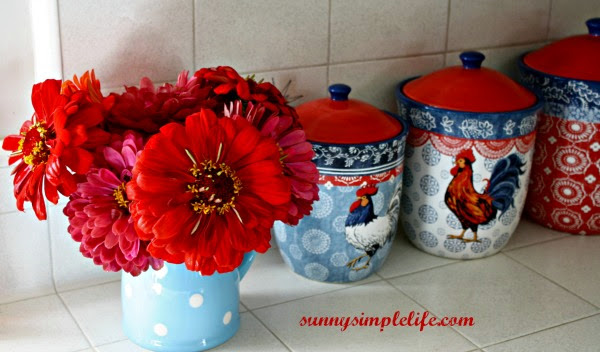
{"x":468,"y":158}
{"x":359,"y":152}
{"x":565,"y":187}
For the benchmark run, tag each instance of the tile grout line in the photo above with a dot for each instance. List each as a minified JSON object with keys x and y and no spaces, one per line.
{"x":551,"y":280}
{"x":458,"y":261}
{"x":327,"y":65}
{"x":447,"y":31}
{"x":549,"y":20}
{"x":20,"y":300}
{"x":88,"y":286}
{"x":328,"y":44}
{"x":315,"y":295}
{"x":269,"y":330}
{"x":544,"y":329}
{"x":50,"y":252}
{"x":534,"y":244}
{"x":429,"y":310}
{"x":374,"y":60}
{"x":87,"y":338}
{"x":193,"y":35}
{"x":62,"y":61}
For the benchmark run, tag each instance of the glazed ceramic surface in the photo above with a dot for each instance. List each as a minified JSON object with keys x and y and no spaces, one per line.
{"x":352,"y":226}
{"x":565,"y":191}
{"x":565,"y":185}
{"x":177,"y":310}
{"x":466,"y":177}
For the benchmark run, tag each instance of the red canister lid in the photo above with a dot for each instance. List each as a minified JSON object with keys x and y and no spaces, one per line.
{"x":576,"y":57}
{"x":339,"y":120}
{"x":470,"y":88}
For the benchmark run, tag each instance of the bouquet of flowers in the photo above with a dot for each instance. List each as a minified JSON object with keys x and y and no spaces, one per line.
{"x":194,"y":173}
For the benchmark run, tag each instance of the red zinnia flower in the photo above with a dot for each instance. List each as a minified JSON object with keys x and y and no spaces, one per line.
{"x":147,"y":108}
{"x":58,"y":137}
{"x":208,"y":192}
{"x":99,"y":215}
{"x":295,"y":153}
{"x":227,"y":86}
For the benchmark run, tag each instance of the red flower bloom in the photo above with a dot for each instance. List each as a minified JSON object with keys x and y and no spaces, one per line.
{"x":99,"y":215}
{"x":227,"y":86}
{"x":207,"y":192}
{"x":58,"y":137}
{"x":295,"y":154}
{"x":147,"y":108}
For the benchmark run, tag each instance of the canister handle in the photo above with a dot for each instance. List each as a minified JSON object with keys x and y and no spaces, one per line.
{"x":339,"y":91}
{"x":593,"y":25}
{"x":472,"y":59}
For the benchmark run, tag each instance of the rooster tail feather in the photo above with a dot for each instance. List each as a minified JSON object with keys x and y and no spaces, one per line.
{"x":505,"y":181}
{"x":394,"y":208}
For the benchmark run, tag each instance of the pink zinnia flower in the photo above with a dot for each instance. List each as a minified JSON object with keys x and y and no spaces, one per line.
{"x":295,"y":154}
{"x":99,"y":212}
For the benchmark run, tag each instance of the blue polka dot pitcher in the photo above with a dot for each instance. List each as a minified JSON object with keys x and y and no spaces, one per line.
{"x":359,"y":152}
{"x":177,"y":310}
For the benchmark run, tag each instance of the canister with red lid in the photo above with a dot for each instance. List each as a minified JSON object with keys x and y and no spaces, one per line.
{"x":359,"y":152}
{"x":565,"y":181}
{"x":468,"y":158}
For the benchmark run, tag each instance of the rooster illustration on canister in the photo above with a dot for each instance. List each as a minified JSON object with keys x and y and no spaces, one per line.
{"x":472,"y":208}
{"x":366,"y":231}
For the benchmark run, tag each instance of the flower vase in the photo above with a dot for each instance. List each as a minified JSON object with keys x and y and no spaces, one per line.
{"x":174,"y":309}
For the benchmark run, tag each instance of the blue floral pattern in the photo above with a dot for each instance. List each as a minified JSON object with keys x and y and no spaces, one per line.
{"x":501,"y":241}
{"x":428,"y":214}
{"x":455,"y":245}
{"x":410,"y":231}
{"x":460,"y":124}
{"x":429,"y":185}
{"x":565,"y":98}
{"x":481,"y":246}
{"x":406,"y":204}
{"x":428,"y":239}
{"x":365,"y":159}
{"x":317,"y":247}
{"x":430,"y":155}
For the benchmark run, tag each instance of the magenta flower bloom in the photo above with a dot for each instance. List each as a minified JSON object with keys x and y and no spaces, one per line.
{"x":295,"y":154}
{"x":99,"y":215}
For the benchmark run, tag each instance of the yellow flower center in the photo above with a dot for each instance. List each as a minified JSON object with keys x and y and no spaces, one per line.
{"x":215,"y":188}
{"x":33,"y":145}
{"x":121,"y":196}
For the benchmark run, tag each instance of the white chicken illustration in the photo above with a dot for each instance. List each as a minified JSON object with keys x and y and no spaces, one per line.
{"x":367,"y":231}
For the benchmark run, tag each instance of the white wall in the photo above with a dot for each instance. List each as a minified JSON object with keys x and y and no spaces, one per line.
{"x":370,"y":45}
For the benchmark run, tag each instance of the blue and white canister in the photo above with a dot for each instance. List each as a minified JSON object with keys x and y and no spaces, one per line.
{"x":466,"y":172}
{"x":352,"y":226}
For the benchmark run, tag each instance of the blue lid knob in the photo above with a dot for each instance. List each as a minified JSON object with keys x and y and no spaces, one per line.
{"x":339,"y":92}
{"x":472,"y":59}
{"x":593,"y":25}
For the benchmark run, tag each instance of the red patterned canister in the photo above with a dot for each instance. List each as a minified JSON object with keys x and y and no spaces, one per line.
{"x":565,"y":182}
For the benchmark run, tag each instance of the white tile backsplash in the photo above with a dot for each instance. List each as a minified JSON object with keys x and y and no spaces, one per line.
{"x":364,"y":30}
{"x":126,"y":40}
{"x":24,"y":257}
{"x":568,"y":17}
{"x":375,"y":81}
{"x":305,"y":84}
{"x":503,"y":59}
{"x":16,"y":69}
{"x":490,"y":23}
{"x":261,"y":35}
